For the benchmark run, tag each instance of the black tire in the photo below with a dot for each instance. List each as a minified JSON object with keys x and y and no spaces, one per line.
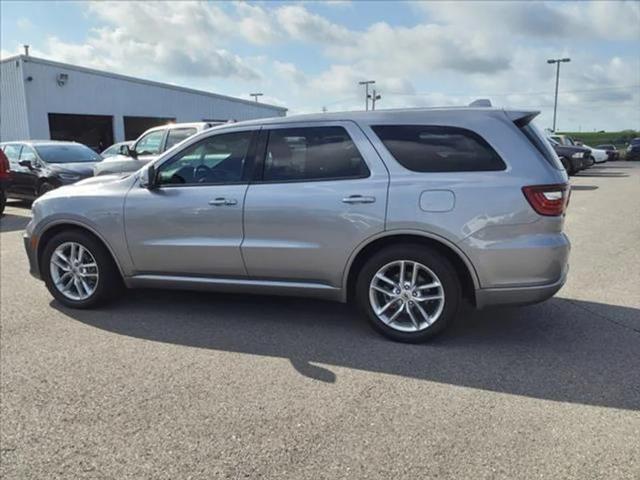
{"x":44,"y":188}
{"x":3,"y":200}
{"x":109,"y":281}
{"x":431,"y":259}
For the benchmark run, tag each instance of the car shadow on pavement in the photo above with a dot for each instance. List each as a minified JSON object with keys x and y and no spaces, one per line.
{"x":11,"y":223}
{"x":602,"y":174}
{"x":583,"y":187}
{"x":563,"y":350}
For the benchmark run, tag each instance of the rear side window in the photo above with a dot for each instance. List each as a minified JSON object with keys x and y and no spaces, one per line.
{"x":425,"y":148}
{"x":176,"y":135}
{"x":537,"y":139}
{"x":314,"y":153}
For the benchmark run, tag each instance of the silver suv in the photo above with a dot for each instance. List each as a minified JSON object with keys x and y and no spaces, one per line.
{"x":404,"y":212}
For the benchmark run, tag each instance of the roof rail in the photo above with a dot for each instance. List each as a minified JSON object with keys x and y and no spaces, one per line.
{"x":481,"y":102}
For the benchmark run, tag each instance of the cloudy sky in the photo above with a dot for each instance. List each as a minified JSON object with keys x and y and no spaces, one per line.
{"x":310,"y":55}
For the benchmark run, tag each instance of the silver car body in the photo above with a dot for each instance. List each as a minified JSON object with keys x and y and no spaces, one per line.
{"x":305,"y":238}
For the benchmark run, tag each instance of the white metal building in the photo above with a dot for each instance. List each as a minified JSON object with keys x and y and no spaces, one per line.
{"x":41,"y":99}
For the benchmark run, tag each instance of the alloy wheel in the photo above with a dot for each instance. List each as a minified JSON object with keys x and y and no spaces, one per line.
{"x":406,"y":296}
{"x":74,"y":271}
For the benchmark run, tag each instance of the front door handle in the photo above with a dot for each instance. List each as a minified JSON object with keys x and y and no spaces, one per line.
{"x":221,"y":201}
{"x":353,"y":199}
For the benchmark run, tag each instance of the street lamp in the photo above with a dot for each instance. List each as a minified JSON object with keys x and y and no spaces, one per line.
{"x":557,"y":61}
{"x":256,"y":95}
{"x":366,"y":92}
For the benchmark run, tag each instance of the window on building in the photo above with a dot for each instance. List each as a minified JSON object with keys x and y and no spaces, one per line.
{"x":422,"y":148}
{"x":314,"y":153}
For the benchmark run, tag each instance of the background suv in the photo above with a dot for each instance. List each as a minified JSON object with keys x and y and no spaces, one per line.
{"x":402,"y":212}
{"x":38,"y":166}
{"x":131,"y":156}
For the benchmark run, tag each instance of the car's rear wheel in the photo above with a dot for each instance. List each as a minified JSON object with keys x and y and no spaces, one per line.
{"x":409,"y":293}
{"x":3,"y":201}
{"x":78,"y":270}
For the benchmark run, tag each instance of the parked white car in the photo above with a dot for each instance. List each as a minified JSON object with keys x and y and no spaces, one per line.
{"x":149,"y":146}
{"x":599,"y":156}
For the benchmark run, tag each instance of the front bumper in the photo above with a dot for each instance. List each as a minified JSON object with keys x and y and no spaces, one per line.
{"x":487,"y":297}
{"x":32,"y":255}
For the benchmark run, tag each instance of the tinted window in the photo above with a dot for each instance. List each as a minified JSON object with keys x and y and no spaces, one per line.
{"x":215,"y":160}
{"x":313,"y":153}
{"x":150,"y":143}
{"x":438,"y":149}
{"x":537,"y":139}
{"x":177,"y":135}
{"x":67,"y":153}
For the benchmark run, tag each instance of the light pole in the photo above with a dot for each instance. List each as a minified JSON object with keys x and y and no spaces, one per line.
{"x":557,"y":61}
{"x":256,"y":95}
{"x":366,"y":92}
{"x":374,"y":98}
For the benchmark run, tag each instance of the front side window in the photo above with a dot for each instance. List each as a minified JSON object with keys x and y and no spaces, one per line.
{"x":176,"y":135}
{"x":214,"y":160}
{"x":150,"y":144}
{"x":28,"y":154}
{"x":422,"y":148}
{"x":67,"y":153}
{"x":313,"y":153}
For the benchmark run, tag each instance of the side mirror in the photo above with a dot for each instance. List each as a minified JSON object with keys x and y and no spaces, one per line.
{"x":129,"y":152}
{"x":25,"y":163}
{"x":148,"y":177}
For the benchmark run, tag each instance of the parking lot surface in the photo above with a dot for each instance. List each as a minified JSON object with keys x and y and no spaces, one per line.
{"x":175,"y":385}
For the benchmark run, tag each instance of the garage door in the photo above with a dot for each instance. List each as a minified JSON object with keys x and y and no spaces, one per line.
{"x":136,"y":126}
{"x":95,"y":131}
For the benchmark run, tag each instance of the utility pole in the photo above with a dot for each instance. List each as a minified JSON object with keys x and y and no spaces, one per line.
{"x":366,"y":84}
{"x":557,"y":61}
{"x":256,"y":95}
{"x":375,"y":97}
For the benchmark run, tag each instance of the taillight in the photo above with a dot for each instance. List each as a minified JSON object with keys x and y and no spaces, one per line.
{"x":548,"y":200}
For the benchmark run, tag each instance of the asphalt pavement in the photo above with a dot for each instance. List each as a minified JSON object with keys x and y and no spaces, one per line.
{"x":177,"y":385}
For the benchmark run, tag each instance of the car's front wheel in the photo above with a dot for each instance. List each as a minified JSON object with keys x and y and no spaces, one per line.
{"x":409,"y":293}
{"x":78,"y":270}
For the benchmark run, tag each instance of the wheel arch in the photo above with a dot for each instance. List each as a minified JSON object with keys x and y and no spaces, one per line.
{"x":61,"y":226}
{"x":463,"y":266}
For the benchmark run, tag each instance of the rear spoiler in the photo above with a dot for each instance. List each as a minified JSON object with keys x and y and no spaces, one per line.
{"x":521,"y":118}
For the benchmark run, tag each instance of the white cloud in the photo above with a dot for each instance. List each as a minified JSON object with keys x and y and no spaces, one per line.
{"x":449,"y":53}
{"x":300,"y":24}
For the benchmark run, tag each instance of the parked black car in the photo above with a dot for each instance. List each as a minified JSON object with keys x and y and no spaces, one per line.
{"x":612,"y":151}
{"x":573,"y":158}
{"x":633,"y":150}
{"x":39,"y":166}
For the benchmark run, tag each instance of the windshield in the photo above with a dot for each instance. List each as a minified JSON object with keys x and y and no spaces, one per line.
{"x":67,"y":153}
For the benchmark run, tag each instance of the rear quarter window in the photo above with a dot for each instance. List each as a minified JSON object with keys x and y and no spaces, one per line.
{"x":426,"y":148}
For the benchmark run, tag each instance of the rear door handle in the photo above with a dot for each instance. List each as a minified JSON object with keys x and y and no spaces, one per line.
{"x":221,"y":201}
{"x":353,"y":199}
